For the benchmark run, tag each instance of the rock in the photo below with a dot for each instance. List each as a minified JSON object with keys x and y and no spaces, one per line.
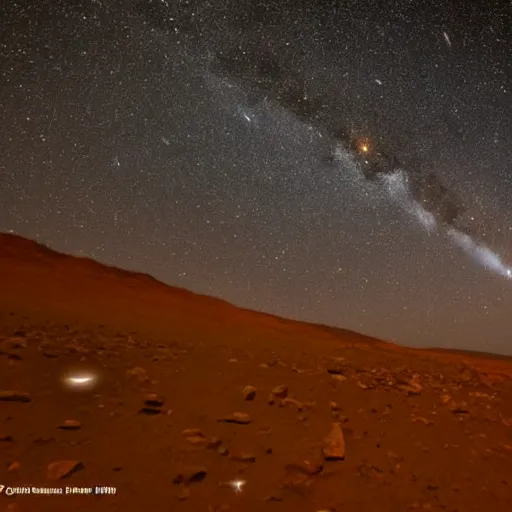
{"x":249,"y":393}
{"x":242,"y":457}
{"x":50,"y":353}
{"x":70,"y":425}
{"x":214,"y":443}
{"x":63,"y":469}
{"x":412,"y":386}
{"x":506,"y":421}
{"x":222,"y":450}
{"x":394,"y":456}
{"x":306,"y":466}
{"x":415,"y":382}
{"x":291,"y":401}
{"x":138,"y":373}
{"x":264,"y":430}
{"x":6,"y":438}
{"x":446,"y":399}
{"x":334,"y":444}
{"x":190,"y":475}
{"x":421,"y":419}
{"x":150,"y":411}
{"x":296,"y":478}
{"x":280,"y":391}
{"x":195,"y":436}
{"x":154,"y":400}
{"x":75,"y":348}
{"x":192,"y":432}
{"x":367,"y":470}
{"x":479,"y":394}
{"x":240,"y":418}
{"x":339,"y":377}
{"x":489,"y":379}
{"x":15,"y":343}
{"x":412,"y":389}
{"x":197,"y":440}
{"x":275,"y":361}
{"x":15,"y":396}
{"x":14,"y":466}
{"x":182,"y":493}
{"x":459,"y":409}
{"x":337,"y":366}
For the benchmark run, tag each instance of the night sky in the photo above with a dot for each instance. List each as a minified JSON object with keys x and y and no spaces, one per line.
{"x":122,"y":140}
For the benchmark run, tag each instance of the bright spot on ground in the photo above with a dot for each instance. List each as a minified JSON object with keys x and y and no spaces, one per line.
{"x":237,"y":485}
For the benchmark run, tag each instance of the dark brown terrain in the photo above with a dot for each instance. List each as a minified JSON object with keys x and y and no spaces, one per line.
{"x":336,"y":421}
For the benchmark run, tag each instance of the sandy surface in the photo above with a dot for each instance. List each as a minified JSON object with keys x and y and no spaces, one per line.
{"x":333,"y":421}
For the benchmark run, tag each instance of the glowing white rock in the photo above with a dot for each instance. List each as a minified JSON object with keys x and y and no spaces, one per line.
{"x":237,"y":485}
{"x":80,"y":380}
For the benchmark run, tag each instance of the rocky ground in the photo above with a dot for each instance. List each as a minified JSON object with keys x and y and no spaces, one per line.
{"x":190,"y":411}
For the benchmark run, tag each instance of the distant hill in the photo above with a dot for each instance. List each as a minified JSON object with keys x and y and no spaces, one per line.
{"x":38,"y":279}
{"x":44,"y":284}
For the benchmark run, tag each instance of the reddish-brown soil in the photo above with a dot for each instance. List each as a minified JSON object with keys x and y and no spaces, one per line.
{"x":422,"y":430}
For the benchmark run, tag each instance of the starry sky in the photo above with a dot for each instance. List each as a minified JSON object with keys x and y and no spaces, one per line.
{"x":122,"y":141}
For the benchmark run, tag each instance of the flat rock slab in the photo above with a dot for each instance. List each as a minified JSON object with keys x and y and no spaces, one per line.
{"x":241,"y":418}
{"x":15,"y":396}
{"x":63,"y":469}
